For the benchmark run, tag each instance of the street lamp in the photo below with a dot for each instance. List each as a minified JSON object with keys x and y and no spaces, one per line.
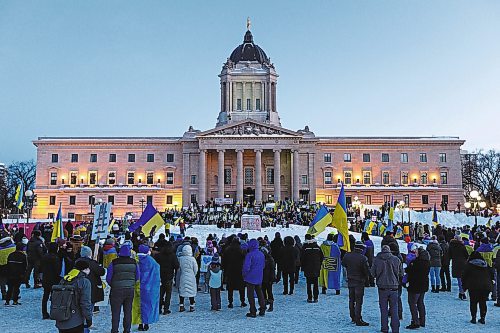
{"x":29,"y":205}
{"x":356,"y":204}
{"x":142,"y":201}
{"x":175,"y":205}
{"x":475,"y":203}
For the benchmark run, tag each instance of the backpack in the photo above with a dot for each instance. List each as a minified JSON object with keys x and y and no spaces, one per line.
{"x":63,"y":295}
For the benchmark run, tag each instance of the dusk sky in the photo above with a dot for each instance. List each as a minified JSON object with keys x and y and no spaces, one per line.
{"x":347,"y":68}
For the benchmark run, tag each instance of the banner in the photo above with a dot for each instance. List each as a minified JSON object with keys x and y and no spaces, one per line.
{"x":223,"y":201}
{"x":251,"y":222}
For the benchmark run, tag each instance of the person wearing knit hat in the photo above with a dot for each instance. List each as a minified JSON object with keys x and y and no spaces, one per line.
{"x":214,"y":282}
{"x":94,"y":275}
{"x":358,"y":273}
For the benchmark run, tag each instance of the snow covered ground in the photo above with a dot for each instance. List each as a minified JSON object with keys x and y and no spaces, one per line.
{"x":445,"y":312}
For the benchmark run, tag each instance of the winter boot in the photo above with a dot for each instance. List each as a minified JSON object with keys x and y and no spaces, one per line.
{"x":361,"y":322}
{"x":412,"y":326}
{"x":271,"y":306}
{"x":433,"y":290}
{"x":323,"y":290}
{"x":443,"y":288}
{"x":482,"y":320}
{"x":182,"y":308}
{"x":437,"y":289}
{"x":337,"y":292}
{"x":243,"y":304}
{"x":230,"y":305}
{"x":191,"y":308}
{"x":140,"y":328}
{"x":251,"y":315}
{"x":473,"y":320}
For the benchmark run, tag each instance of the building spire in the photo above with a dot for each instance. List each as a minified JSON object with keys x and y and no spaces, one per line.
{"x":249,"y":23}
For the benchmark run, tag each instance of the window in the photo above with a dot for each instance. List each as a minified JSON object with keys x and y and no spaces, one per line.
{"x":304,"y":179}
{"x":112,"y":178}
{"x":74,"y":158}
{"x":91,"y":199}
{"x":249,"y":104}
{"x":386,"y":180}
{"x":53,"y":178}
{"x":248,"y":176}
{"x":131,"y":158}
{"x":347,"y":157}
{"x":193,"y":179}
{"x":71,"y":215}
{"x":404,"y":157}
{"x":367,"y":177}
{"x":170,"y":178}
{"x":52,"y":200}
{"x":270,"y":176}
{"x":149,"y":199}
{"x":55,"y":158}
{"x":130,"y":199}
{"x":425,"y":199}
{"x":170,"y":199}
{"x":423,"y":157}
{"x":112,"y":158}
{"x":72,"y":200}
{"x":328,"y":199}
{"x":385,"y":157}
{"x":444,"y":177}
{"x":93,"y":177}
{"x":257,"y":104}
{"x":93,"y":158}
{"x":406,"y":199}
{"x":327,"y":157}
{"x":193,"y":198}
{"x":72,"y":177}
{"x":442,"y":157}
{"x":347,"y":177}
{"x":130,"y":178}
{"x":238,"y":104}
{"x":404,"y":178}
{"x":111,"y":199}
{"x":150,"y":158}
{"x":423,"y":178}
{"x":50,"y":216}
{"x":170,"y":158}
{"x":227,"y":176}
{"x":444,"y":200}
{"x":328,"y":177}
{"x":150,"y":178}
{"x":366,"y":158}
{"x":368,"y":199}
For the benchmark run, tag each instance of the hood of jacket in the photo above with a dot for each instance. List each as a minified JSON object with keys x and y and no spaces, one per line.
{"x":124,"y":251}
{"x":73,"y":274}
{"x":187,"y":251}
{"x":253,"y":244}
{"x":479,"y":263}
{"x":423,"y":254}
{"x":385,"y":254}
{"x":485,"y":248}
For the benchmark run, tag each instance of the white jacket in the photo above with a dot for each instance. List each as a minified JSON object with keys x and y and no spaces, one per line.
{"x":188,"y":267}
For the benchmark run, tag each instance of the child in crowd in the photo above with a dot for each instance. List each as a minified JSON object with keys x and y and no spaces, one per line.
{"x":412,"y":255}
{"x":215,"y":282}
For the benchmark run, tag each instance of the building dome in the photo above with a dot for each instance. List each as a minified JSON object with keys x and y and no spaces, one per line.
{"x":248,"y":51}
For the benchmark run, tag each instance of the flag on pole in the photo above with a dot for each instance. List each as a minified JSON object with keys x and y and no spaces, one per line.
{"x":322,"y":219}
{"x":339,"y":221}
{"x":19,"y":195}
{"x":435,"y":216}
{"x":390,"y":223}
{"x":149,"y":219}
{"x":58,"y":231}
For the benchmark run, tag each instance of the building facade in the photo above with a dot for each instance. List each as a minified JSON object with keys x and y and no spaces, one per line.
{"x":247,"y":156}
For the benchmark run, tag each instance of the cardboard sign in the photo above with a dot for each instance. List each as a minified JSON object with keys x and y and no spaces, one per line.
{"x":251,"y":222}
{"x":205,"y":262}
{"x":101,"y":221}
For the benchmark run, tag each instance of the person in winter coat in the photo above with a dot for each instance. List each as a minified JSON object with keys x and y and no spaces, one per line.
{"x":81,"y":305}
{"x":436,"y":254}
{"x":458,"y":256}
{"x":50,"y":268}
{"x":311,"y":260}
{"x":96,"y":271}
{"x":214,"y":277}
{"x":253,"y":271}
{"x":268,"y":278}
{"x":358,"y":273}
{"x":298,"y":245}
{"x":122,"y":275}
{"x":445,"y":265}
{"x":477,"y":279}
{"x":389,"y":239}
{"x":388,"y":272}
{"x":289,"y":257}
{"x":16,"y":271}
{"x":186,"y":278}
{"x":418,"y":284}
{"x":497,"y":268}
{"x":276,"y":247}
{"x":232,"y":265}
{"x":168,"y":265}
{"x":7,"y":246}
{"x":369,"y":253}
{"x":145,"y":307}
{"x":109,"y":252}
{"x":35,"y":250}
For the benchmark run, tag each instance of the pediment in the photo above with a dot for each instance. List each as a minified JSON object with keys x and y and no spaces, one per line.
{"x":249,"y":128}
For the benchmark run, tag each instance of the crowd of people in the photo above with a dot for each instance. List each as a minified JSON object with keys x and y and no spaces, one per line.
{"x":142,"y":275}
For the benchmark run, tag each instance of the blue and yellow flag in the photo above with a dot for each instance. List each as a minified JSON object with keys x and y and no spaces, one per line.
{"x":58,"y":231}
{"x":370,"y":227}
{"x":322,"y":219}
{"x":19,"y":195}
{"x":390,"y":222}
{"x":435,"y":216}
{"x":149,"y":219}
{"x":339,"y":221}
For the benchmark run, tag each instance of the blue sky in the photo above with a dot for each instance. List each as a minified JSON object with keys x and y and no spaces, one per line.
{"x":347,"y":68}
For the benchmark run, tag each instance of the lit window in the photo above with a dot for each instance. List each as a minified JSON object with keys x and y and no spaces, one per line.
{"x":328,"y":199}
{"x":53,"y":178}
{"x":170,"y":178}
{"x":112,"y":178}
{"x":367,"y":177}
{"x":170,"y":199}
{"x":423,"y":178}
{"x":347,"y":177}
{"x":149,"y":178}
{"x":404,"y":178}
{"x":93,"y":177}
{"x":130,"y":178}
{"x":368,"y":199}
{"x":328,"y":177}
{"x":444,"y":177}
{"x":73,"y":176}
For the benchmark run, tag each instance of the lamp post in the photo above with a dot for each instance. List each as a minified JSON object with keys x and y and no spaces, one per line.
{"x":142,"y":201}
{"x":29,"y":205}
{"x":356,"y":204}
{"x":475,"y":203}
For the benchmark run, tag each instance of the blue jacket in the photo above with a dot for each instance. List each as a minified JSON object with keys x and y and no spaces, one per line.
{"x":253,"y":267}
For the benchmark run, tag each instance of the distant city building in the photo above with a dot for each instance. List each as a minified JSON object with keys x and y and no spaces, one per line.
{"x":248,"y":156}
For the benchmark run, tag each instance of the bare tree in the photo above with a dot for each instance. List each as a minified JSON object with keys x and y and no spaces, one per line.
{"x":21,"y":172}
{"x":481,"y":171}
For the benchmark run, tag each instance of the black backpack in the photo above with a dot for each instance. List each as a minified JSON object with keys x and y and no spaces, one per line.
{"x":63,"y":296}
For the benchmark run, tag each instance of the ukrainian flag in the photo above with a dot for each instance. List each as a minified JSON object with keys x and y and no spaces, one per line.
{"x":390,"y":223}
{"x":435,"y":216}
{"x":370,"y":227}
{"x":19,"y":195}
{"x":322,"y":219}
{"x":58,"y":231}
{"x":149,"y":219}
{"x":339,"y":221}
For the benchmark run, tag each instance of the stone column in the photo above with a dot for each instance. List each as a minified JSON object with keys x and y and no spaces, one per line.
{"x":243,"y":97}
{"x":252,"y":103}
{"x":239,"y":175}
{"x":185,"y":179}
{"x":269,"y":97}
{"x":258,"y":176}
{"x":295,"y":180}
{"x":221,"y":173}
{"x":277,"y":174}
{"x":202,"y":177}
{"x":312,"y":181}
